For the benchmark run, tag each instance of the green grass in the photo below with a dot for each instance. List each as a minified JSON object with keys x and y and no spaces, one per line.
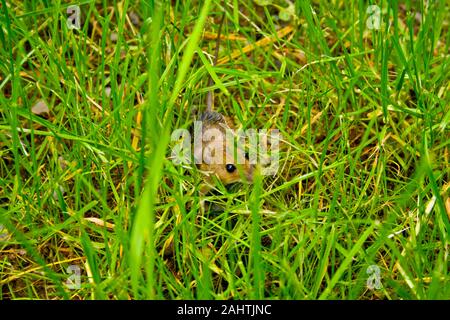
{"x":364,"y":175}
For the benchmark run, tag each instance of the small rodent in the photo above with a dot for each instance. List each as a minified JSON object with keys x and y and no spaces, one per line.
{"x":228,"y":169}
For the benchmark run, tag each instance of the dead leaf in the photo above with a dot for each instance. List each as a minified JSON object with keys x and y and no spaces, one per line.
{"x":100,"y":222}
{"x":40,"y":107}
{"x":259,"y":44}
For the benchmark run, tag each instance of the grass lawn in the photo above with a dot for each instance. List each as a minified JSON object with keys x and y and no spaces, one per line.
{"x":93,"y":207}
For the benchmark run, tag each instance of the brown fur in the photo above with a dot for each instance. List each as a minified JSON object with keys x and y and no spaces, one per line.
{"x":216,"y":124}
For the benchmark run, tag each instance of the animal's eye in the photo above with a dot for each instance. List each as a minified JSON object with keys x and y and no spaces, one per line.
{"x":230,"y":168}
